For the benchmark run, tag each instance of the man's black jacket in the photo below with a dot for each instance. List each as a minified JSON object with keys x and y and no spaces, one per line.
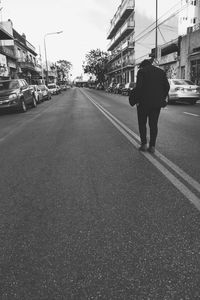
{"x":152,"y":86}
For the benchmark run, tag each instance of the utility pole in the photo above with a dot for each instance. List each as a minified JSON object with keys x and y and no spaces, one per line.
{"x":41,"y":65}
{"x":121,"y":49}
{"x":156,"y":39}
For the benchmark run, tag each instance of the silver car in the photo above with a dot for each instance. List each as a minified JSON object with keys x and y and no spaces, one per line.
{"x":182,"y":90}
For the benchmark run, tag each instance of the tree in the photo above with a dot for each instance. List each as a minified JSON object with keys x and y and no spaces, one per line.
{"x":63,"y":69}
{"x":96,"y":64}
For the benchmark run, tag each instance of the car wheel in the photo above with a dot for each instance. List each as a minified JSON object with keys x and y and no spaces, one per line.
{"x":23,"y":107}
{"x":34,"y":103}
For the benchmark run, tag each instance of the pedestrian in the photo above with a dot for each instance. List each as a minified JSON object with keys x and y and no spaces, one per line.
{"x":152,"y":88}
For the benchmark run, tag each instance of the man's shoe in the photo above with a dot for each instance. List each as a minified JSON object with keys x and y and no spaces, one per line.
{"x":151,"y":149}
{"x":143,"y":147}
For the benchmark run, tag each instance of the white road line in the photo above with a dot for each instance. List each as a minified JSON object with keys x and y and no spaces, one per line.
{"x":172,"y":178}
{"x":170,"y":164}
{"x":187,"y":113}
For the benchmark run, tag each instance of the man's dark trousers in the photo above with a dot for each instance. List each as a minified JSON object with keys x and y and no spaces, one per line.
{"x":152,"y":114}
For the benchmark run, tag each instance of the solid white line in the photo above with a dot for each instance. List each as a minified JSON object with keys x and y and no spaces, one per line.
{"x":174,"y":180}
{"x":187,"y":113}
{"x":174,"y":167}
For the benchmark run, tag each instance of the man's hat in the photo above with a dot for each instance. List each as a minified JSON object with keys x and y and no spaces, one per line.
{"x":145,"y":62}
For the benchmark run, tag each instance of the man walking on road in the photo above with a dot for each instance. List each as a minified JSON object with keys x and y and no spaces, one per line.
{"x":152,"y":88}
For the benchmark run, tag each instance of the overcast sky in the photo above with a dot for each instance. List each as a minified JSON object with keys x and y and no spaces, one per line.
{"x":85,"y":24}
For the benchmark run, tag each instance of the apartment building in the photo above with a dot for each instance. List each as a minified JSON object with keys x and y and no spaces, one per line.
{"x":189,"y":15}
{"x":121,"y":45}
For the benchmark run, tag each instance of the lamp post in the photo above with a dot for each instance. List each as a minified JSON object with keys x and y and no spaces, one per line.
{"x":45,"y":51}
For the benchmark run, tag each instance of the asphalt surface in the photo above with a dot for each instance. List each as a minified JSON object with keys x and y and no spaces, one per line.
{"x":85,"y":215}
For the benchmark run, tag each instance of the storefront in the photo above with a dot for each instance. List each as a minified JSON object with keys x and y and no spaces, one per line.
{"x":4,"y":72}
{"x":195,"y":69}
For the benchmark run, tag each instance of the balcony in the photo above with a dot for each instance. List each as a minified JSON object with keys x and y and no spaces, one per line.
{"x":127,"y":64}
{"x":8,"y":51}
{"x":123,"y":12}
{"x":30,"y":47}
{"x":125,"y":47}
{"x":26,"y":64}
{"x":125,"y":30}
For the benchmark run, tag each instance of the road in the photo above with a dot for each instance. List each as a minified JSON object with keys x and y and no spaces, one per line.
{"x":85,"y":215}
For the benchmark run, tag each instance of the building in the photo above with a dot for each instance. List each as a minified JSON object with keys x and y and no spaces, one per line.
{"x":190,"y":54}
{"x":189,"y":15}
{"x":27,"y":61}
{"x":18,"y":57}
{"x":169,"y":57}
{"x":7,"y":54}
{"x":121,"y":47}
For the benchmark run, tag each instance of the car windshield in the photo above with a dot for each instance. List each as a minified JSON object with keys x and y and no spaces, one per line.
{"x":8,"y":85}
{"x":182,"y":82}
{"x":51,"y":86}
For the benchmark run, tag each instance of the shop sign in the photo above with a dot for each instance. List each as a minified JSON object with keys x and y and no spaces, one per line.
{"x":3,"y":66}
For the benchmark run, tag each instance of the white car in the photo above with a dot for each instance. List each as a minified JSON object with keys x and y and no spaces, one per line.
{"x":182,"y":90}
{"x":53,"y":88}
{"x":46,"y":94}
{"x":37,"y":93}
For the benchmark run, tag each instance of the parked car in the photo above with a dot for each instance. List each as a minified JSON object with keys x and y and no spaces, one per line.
{"x":63,"y":87}
{"x":182,"y":90}
{"x":37,"y":93}
{"x":126,"y":89}
{"x":111,"y":87}
{"x":118,"y":88}
{"x":16,"y":94}
{"x":58,"y":89}
{"x":100,"y":86}
{"x":46,"y":94}
{"x":53,"y":88}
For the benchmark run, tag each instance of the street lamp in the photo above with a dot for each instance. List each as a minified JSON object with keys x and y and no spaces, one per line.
{"x":45,"y":49}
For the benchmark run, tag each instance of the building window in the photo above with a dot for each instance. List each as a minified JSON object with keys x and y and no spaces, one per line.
{"x":183,"y":72}
{"x":195,"y":71}
{"x":19,"y":52}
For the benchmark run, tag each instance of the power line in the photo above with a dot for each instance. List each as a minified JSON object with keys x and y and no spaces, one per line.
{"x":158,"y":19}
{"x":162,"y":22}
{"x":162,"y":35}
